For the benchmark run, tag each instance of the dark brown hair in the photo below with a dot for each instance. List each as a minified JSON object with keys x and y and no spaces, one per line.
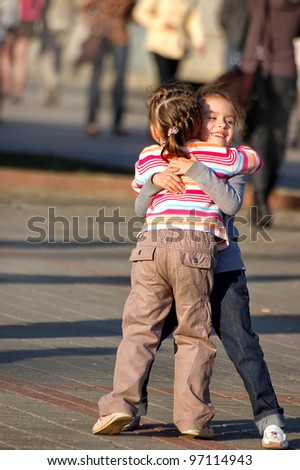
{"x":221,"y":90}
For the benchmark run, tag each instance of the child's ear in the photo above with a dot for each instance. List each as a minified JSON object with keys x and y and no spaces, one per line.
{"x":155,"y":134}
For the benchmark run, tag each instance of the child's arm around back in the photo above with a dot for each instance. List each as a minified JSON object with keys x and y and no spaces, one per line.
{"x":247,"y":160}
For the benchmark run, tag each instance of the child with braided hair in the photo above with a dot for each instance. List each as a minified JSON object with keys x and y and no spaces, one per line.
{"x":174,"y":259}
{"x":231,"y":316}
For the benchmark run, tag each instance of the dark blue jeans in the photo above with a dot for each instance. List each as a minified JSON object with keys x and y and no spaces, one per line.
{"x":119,"y":54}
{"x":232,"y":323}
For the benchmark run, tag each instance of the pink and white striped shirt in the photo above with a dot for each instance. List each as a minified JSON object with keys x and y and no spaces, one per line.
{"x":193,"y":209}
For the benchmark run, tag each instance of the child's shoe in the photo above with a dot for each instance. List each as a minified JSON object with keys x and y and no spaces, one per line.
{"x":274,"y":438}
{"x":204,"y":433}
{"x":111,"y":424}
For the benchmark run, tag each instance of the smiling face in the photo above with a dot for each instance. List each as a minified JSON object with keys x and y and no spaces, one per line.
{"x":218,"y":121}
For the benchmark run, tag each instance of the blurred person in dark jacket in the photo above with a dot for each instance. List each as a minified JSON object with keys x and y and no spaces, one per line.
{"x":108,"y":19}
{"x":269,"y":52}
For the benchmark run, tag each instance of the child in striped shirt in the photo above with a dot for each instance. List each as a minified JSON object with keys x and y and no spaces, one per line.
{"x":174,"y":258}
{"x":229,"y":298}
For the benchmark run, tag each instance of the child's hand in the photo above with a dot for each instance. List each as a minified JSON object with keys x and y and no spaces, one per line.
{"x":179,"y":166}
{"x":169,"y":181}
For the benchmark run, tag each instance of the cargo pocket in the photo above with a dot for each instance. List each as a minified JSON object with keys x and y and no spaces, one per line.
{"x":201,"y":260}
{"x":201,"y":276}
{"x":143,"y":253}
{"x":143,"y":265}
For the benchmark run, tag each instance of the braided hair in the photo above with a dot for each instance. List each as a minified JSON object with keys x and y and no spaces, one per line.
{"x":174,"y":109}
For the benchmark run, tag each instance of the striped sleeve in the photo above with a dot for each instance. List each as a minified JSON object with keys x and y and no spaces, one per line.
{"x":226,"y":161}
{"x":149,"y":163}
{"x":247,"y":160}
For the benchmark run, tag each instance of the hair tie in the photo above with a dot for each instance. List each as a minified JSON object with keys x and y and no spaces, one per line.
{"x":173,"y":130}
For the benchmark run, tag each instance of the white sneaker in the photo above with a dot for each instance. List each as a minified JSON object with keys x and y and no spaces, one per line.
{"x":274,"y":438}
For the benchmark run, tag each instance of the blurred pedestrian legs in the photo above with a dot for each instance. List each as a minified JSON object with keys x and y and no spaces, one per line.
{"x":56,"y":21}
{"x":233,"y":17}
{"x":15,"y":51}
{"x":107,"y":20}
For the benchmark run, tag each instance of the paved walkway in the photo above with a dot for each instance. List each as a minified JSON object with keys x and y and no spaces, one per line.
{"x":61,"y":304}
{"x":64,"y":277}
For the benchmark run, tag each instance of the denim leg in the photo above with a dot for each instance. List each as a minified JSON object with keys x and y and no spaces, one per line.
{"x":232,"y":323}
{"x":93,"y":90}
{"x":233,"y":55}
{"x":120,"y":54}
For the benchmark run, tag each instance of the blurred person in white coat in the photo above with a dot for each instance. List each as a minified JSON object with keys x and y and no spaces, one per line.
{"x":172,"y":29}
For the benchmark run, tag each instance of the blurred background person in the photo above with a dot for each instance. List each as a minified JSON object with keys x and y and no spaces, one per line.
{"x":233,"y":18}
{"x":295,"y":141}
{"x":108,"y":19}
{"x":14,"y":66}
{"x":172,"y":28}
{"x":269,"y":53}
{"x":56,"y":22}
{"x":9,"y":20}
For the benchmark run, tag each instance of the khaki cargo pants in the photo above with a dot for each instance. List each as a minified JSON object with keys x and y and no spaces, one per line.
{"x":167,"y":263}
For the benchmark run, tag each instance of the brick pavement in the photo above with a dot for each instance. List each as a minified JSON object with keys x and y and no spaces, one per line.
{"x":61,"y":306}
